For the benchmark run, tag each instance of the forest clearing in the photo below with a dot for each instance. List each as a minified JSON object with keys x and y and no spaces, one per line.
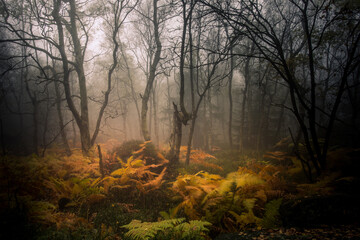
{"x":189,"y":119}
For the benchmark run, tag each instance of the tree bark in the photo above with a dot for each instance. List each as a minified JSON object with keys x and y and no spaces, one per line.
{"x":79,"y":67}
{"x":176,"y":136}
{"x":231,"y":99}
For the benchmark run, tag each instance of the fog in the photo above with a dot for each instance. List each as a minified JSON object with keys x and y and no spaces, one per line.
{"x":262,"y":110}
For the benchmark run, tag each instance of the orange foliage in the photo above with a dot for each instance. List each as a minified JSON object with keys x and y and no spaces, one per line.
{"x":150,"y":154}
{"x":80,"y":166}
{"x":153,"y":184}
{"x":199,"y":157}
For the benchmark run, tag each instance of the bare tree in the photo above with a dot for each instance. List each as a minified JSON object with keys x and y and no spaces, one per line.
{"x":77,"y":27}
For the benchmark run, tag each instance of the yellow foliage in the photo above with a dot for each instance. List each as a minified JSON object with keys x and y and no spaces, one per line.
{"x":246,"y":217}
{"x":244,"y":179}
{"x":119,"y":172}
{"x":137,"y":163}
{"x":229,"y":200}
{"x":193,"y":189}
{"x":107,"y":182}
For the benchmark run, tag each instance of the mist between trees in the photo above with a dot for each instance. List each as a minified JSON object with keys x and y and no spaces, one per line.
{"x":207,"y":74}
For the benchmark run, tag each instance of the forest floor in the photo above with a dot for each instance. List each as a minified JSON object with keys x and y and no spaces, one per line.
{"x":322,"y":232}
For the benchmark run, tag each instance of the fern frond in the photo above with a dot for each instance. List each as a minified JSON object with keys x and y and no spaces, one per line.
{"x":148,"y":230}
{"x":137,"y":163}
{"x":249,"y":203}
{"x":271,"y":216}
{"x":193,"y":227}
{"x":167,"y":229}
{"x":96,"y":182}
{"x":119,"y":172}
{"x":156,"y":183}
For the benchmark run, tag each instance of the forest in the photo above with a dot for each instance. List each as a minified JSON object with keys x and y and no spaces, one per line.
{"x":188,"y":119}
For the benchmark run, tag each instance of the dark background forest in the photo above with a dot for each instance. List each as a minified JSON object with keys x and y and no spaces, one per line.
{"x":241,"y":106}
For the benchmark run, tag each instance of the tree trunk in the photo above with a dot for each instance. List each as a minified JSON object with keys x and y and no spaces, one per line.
{"x":79,"y":67}
{"x":59,"y":112}
{"x":230,"y":99}
{"x":81,"y":121}
{"x":184,"y":117}
{"x":150,"y":81}
{"x":176,"y":136}
{"x":156,"y":126}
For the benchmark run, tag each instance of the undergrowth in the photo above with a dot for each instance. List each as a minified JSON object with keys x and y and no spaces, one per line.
{"x":66,"y":197}
{"x":176,"y":228}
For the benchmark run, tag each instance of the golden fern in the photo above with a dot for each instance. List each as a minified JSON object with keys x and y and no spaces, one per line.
{"x":229,"y":200}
